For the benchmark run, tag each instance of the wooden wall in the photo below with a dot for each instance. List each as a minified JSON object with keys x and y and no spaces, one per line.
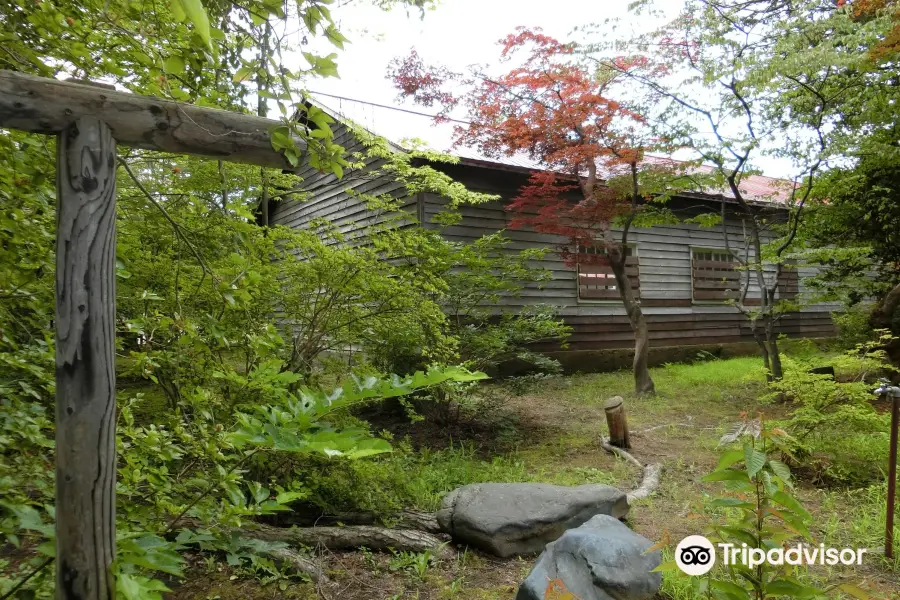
{"x":664,"y":259}
{"x":335,"y":201}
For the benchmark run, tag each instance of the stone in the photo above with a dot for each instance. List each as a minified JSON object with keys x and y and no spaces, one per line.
{"x":601,"y":560}
{"x":506,"y":519}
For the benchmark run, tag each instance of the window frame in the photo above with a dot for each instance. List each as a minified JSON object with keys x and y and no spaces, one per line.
{"x":734,"y":263}
{"x":633,"y":249}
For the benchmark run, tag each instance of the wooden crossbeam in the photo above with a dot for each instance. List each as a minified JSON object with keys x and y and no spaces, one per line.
{"x":90,"y":121}
{"x":41,"y":105}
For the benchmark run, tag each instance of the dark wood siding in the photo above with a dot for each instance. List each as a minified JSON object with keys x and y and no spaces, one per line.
{"x":335,"y":201}
{"x":663,"y":259}
{"x":664,"y":262}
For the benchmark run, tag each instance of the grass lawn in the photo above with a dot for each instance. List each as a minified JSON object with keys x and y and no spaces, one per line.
{"x":554,"y":438}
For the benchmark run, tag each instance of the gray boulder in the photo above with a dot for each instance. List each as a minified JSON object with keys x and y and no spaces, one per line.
{"x":601,"y":560}
{"x":520,"y":518}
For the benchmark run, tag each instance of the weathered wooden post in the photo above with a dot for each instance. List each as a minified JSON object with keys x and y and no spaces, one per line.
{"x":893,"y":393}
{"x":89,"y":121}
{"x":617,"y":422}
{"x":85,"y":361}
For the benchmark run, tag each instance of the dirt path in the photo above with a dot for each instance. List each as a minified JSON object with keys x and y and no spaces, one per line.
{"x":558,"y":428}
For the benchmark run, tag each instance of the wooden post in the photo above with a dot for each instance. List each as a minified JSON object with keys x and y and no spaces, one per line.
{"x":90,"y":120}
{"x":617,"y":423}
{"x":85,"y":361}
{"x":892,"y":478}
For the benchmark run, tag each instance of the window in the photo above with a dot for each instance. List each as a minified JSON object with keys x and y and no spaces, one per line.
{"x":596,"y":280}
{"x":713,"y":276}
{"x":789,"y":283}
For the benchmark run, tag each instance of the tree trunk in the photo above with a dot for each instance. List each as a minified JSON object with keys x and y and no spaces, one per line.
{"x":643,"y":384}
{"x":262,"y":85}
{"x":772,"y":343}
{"x":883,"y":315}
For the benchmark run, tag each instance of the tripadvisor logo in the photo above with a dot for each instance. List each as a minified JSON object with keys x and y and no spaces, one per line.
{"x":696,"y":555}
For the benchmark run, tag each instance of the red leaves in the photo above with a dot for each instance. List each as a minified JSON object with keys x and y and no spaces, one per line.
{"x":555,"y":206}
{"x":543,"y":45}
{"x":422,"y":83}
{"x":557,"y":110}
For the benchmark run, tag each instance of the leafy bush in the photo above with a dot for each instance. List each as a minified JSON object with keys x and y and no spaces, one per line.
{"x":853,"y":324}
{"x":762,"y":513}
{"x":837,"y":434}
{"x":195,"y":463}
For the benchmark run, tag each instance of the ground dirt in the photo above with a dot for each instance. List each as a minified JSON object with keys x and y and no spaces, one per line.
{"x":558,"y":427}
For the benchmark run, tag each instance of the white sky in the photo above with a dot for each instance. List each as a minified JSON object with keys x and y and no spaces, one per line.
{"x":458,"y":33}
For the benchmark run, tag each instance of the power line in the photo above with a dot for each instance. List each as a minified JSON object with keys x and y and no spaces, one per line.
{"x":397,"y":108}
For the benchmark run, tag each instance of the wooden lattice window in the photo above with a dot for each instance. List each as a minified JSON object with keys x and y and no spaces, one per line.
{"x":596,"y":280}
{"x":713,"y":275}
{"x":789,"y":282}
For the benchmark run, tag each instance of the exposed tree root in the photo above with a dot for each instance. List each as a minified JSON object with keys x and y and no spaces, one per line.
{"x":331,"y":538}
{"x":652,"y":472}
{"x":649,"y":483}
{"x":405,"y":519}
{"x":299,"y":562}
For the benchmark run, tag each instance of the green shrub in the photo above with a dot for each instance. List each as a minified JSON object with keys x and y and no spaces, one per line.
{"x":838,"y":435}
{"x":761,"y":513}
{"x":853,"y":324}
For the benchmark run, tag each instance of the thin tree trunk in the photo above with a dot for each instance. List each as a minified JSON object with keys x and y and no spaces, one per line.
{"x":883,"y":315}
{"x":643,"y":384}
{"x":772,"y":343}
{"x":762,"y":342}
{"x":262,"y":84}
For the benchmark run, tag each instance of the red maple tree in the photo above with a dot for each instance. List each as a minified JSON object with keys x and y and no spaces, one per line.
{"x":561,"y":113}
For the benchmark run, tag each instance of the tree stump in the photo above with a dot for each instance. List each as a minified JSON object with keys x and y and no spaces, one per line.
{"x":617,"y":423}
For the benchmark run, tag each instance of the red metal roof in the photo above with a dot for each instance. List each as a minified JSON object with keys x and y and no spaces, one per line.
{"x":395,"y":126}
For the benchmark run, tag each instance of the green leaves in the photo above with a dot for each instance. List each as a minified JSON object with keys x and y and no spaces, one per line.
{"x":139,"y":587}
{"x":762,"y":483}
{"x":729,"y":458}
{"x":242,"y":74}
{"x":196,"y":14}
{"x":792,"y":588}
{"x":322,"y":65}
{"x":174,"y":65}
{"x":780,"y":470}
{"x":791,"y":503}
{"x":754,"y":460}
{"x":295,"y":426}
{"x":726,"y":590}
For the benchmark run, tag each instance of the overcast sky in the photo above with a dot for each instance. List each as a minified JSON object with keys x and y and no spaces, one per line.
{"x":458,"y":33}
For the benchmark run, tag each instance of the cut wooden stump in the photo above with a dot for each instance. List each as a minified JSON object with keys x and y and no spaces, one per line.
{"x":617,"y":423}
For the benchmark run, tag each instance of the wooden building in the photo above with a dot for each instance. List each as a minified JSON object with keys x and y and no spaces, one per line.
{"x":678,"y":270}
